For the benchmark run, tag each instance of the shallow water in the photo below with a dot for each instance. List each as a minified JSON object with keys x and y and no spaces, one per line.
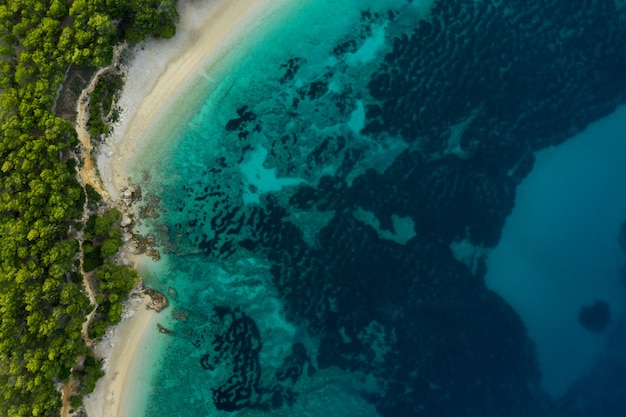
{"x":311,"y":211}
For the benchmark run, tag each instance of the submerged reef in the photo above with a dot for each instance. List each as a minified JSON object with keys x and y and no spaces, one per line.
{"x":390,"y":164}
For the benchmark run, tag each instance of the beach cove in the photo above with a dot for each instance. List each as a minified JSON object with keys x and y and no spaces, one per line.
{"x":161,"y":71}
{"x":158,"y":72}
{"x":309,"y":206}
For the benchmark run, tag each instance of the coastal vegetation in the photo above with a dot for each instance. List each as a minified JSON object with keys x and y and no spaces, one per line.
{"x":42,"y":295}
{"x":101,"y":109}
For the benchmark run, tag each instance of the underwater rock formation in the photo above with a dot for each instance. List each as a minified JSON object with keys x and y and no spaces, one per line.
{"x":452,"y":112}
{"x":595,"y":317}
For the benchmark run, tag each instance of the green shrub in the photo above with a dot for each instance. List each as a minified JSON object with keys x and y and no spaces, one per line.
{"x":92,"y":256}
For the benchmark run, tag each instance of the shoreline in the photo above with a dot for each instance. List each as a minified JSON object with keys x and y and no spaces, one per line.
{"x":161,"y":73}
{"x":119,"y":348}
{"x":158,"y":75}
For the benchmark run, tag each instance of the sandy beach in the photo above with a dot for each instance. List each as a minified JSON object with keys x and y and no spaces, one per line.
{"x":161,"y":70}
{"x":120,"y":349}
{"x":158,"y":73}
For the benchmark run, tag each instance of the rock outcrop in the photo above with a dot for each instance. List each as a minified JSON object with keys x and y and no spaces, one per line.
{"x":158,"y":301}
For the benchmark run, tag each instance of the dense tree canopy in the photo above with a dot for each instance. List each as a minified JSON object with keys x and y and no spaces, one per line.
{"x":42,"y":305}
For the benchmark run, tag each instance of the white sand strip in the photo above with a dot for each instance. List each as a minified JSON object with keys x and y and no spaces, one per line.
{"x":161,"y":69}
{"x":120,"y":349}
{"x":158,"y":74}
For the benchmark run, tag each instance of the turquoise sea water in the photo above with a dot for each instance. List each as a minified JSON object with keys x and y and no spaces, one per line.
{"x":307,"y":208}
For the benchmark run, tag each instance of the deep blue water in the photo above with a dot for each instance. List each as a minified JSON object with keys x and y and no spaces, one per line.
{"x":311,"y":210}
{"x":560,"y":250}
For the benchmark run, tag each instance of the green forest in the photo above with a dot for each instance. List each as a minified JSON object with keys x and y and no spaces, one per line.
{"x":42,"y":300}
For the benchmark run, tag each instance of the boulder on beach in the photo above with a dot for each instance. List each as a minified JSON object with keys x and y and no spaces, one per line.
{"x":158,"y":301}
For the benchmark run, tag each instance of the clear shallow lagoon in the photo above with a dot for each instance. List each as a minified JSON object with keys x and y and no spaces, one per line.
{"x":307,"y":205}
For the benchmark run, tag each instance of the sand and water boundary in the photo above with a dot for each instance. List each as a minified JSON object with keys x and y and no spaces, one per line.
{"x":159,"y":84}
{"x":162,"y":78}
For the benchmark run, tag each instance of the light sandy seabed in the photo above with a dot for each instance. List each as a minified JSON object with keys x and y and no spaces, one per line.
{"x":157,"y":75}
{"x":161,"y":70}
